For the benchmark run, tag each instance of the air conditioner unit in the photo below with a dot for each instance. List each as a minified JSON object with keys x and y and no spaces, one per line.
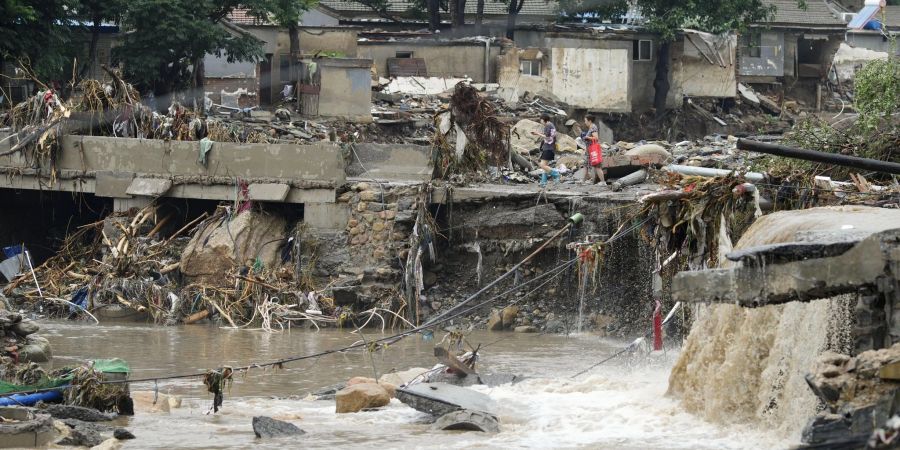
{"x":848,"y":17}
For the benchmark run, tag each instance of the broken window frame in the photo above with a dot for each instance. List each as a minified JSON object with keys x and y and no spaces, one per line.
{"x":637,"y":50}
{"x":534,"y":67}
{"x":405,"y":54}
{"x":751,"y":44}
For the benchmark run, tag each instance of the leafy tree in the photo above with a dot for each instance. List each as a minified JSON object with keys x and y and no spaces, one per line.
{"x":35,"y":32}
{"x":91,"y":14}
{"x":165,"y":41}
{"x":668,"y":17}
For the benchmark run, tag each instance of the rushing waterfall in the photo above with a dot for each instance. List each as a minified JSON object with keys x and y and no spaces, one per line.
{"x":741,"y":365}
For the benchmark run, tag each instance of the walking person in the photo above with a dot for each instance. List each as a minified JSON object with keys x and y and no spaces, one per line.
{"x":593,"y":171}
{"x":548,"y":149}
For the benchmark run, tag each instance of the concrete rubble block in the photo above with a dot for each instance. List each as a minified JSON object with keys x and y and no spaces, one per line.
{"x":164,"y":403}
{"x":361,"y":396}
{"x":403,"y":377}
{"x":149,"y":187}
{"x":522,"y":141}
{"x":268,"y":192}
{"x":526,"y":329}
{"x":21,"y":427}
{"x":439,"y":399}
{"x":467,"y":421}
{"x":223,"y":245}
{"x":267,"y":427}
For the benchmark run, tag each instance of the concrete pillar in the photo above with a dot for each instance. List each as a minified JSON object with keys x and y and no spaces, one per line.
{"x":326,"y":216}
{"x":124,"y":204}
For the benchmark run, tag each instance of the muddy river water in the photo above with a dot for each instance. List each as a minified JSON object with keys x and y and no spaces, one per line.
{"x":621,"y":405}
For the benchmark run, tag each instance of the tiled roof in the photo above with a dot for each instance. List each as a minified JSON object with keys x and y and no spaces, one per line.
{"x":548,"y":8}
{"x":788,"y":12}
{"x":240,"y":16}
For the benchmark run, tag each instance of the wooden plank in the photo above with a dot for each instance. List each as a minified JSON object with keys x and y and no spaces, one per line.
{"x":407,"y":67}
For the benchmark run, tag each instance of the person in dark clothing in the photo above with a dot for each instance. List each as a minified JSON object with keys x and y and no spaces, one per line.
{"x":548,"y":149}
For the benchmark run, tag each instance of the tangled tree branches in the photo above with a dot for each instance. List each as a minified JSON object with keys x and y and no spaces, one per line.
{"x":480,"y":136}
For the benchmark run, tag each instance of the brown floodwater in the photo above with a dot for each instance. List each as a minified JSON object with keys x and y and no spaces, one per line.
{"x":618,"y":405}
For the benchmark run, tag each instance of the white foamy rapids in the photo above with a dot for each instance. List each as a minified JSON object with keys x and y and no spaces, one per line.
{"x":616,"y":408}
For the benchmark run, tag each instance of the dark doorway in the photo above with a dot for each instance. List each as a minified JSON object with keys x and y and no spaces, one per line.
{"x":265,"y":81}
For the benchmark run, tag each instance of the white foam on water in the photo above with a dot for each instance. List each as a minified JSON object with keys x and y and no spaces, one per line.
{"x":615,"y":408}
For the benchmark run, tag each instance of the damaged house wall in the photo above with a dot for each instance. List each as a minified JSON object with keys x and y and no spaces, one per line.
{"x":442,"y":59}
{"x":598,"y":70}
{"x":707,"y":67}
{"x":231,"y":76}
{"x":344,"y":89}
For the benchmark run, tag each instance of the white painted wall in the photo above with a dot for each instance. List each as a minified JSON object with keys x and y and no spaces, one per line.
{"x":596,"y":79}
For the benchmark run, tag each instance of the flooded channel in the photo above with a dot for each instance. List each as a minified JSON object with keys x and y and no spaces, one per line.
{"x":619,"y":405}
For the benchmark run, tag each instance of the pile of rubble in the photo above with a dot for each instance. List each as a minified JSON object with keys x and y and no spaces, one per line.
{"x":18,"y":341}
{"x":860,"y":395}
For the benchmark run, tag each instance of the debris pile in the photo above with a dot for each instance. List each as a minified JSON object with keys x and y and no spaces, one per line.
{"x":18,"y":341}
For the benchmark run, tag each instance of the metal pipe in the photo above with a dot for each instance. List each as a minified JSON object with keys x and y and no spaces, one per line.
{"x":708,"y":172}
{"x":855,"y":162}
{"x":630,"y":180}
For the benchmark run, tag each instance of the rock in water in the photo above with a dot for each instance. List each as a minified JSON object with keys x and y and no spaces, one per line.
{"x":123,"y":434}
{"x":495,"y":322}
{"x":267,"y":427}
{"x":509,"y":316}
{"x":526,"y":329}
{"x":76,"y":412}
{"x":25,"y":327}
{"x":442,"y":398}
{"x":361,"y":396}
{"x":467,"y":420}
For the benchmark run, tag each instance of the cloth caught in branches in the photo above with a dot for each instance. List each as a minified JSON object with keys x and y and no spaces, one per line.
{"x":215,"y":383}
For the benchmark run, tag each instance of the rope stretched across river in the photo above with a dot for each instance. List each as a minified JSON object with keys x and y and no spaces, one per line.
{"x":445,"y":317}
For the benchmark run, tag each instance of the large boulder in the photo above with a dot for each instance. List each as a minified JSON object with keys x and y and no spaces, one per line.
{"x":224,"y":244}
{"x":361,"y":396}
{"x":267,"y":427}
{"x":524,"y":142}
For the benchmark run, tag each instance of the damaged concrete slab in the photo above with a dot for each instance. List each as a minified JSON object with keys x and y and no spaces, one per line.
{"x":792,"y":271}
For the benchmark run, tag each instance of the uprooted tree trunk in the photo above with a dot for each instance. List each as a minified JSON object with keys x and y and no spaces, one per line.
{"x":661,"y":82}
